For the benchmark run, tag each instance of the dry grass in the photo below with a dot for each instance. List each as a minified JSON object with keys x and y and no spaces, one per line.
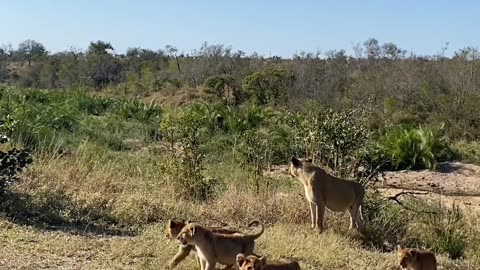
{"x":30,"y":248}
{"x":91,"y":186}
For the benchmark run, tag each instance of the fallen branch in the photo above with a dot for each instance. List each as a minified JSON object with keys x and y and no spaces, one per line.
{"x":396,"y":199}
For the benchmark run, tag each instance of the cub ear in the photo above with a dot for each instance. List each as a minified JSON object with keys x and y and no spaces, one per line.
{"x":413,"y":253}
{"x":399,"y":247}
{"x":188,"y":222}
{"x":169,"y":223}
{"x":263,"y":260}
{"x":241,"y":259}
{"x":296,"y":162}
{"x":309,"y":159}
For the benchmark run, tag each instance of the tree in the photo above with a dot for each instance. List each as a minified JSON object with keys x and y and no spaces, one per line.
{"x":172,"y":51}
{"x":224,"y":87}
{"x":30,"y":50}
{"x":268,"y":86}
{"x":99,"y":48}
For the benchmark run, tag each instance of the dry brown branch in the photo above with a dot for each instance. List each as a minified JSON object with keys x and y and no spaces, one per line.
{"x":396,"y":199}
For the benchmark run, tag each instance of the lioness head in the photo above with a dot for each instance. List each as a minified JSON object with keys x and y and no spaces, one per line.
{"x":187,"y":234}
{"x":251,"y":262}
{"x":407,"y":256}
{"x":173,"y":228}
{"x":296,"y":165}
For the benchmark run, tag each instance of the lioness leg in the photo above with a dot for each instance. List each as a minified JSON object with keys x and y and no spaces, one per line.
{"x":313,"y":213}
{"x":360,"y":216}
{"x":355,"y":217}
{"x":320,"y":214}
{"x":209,"y":266}
{"x":183,"y":252}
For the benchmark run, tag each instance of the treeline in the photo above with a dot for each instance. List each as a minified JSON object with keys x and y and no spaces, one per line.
{"x":403,"y":88}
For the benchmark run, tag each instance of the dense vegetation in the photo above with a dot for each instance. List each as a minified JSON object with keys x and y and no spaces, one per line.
{"x":126,"y":140}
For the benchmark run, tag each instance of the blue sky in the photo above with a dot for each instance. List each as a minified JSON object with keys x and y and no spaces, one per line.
{"x":268,"y":27}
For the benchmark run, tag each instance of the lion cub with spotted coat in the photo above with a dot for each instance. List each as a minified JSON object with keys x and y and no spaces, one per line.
{"x":324,"y":190}
{"x":253,"y":262}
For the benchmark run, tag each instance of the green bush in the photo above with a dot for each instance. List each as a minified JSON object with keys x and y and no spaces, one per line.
{"x":336,"y":139}
{"x":135,"y":109}
{"x":268,"y":87}
{"x":185,"y":135}
{"x":411,"y":148}
{"x":11,"y":161}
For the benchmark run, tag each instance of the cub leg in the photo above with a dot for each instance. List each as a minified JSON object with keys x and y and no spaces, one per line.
{"x":183,"y":252}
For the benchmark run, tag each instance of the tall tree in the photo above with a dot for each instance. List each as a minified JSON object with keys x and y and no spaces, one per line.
{"x":30,"y":50}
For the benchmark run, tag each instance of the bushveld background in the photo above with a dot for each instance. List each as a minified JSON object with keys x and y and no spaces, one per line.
{"x":99,"y":149}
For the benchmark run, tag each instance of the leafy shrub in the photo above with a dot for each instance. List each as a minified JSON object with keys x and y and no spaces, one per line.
{"x":411,"y":148}
{"x":224,"y":88}
{"x":13,"y":160}
{"x":335,"y":139}
{"x":467,"y":151}
{"x":185,"y":133}
{"x":135,"y":109}
{"x":268,"y":86}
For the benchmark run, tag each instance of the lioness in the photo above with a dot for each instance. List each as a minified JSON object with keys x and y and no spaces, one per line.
{"x":253,"y":262}
{"x":214,"y":247}
{"x":173,"y":228}
{"x":413,"y":259}
{"x":324,"y":190}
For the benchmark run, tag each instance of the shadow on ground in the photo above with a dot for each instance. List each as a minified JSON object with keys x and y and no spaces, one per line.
{"x":19,"y":209}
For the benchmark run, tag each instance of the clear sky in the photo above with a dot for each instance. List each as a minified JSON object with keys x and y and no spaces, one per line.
{"x":268,"y":27}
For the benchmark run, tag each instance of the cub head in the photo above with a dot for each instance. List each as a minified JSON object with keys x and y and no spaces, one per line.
{"x":406,"y":256}
{"x":250,"y":262}
{"x":173,"y":228}
{"x":187,"y":234}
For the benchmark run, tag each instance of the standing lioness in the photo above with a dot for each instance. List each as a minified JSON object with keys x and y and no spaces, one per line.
{"x":324,"y":190}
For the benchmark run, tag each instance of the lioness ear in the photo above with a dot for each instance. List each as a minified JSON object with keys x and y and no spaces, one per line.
{"x":296,"y":162}
{"x":192,"y":230}
{"x":240,"y":259}
{"x":263,"y":260}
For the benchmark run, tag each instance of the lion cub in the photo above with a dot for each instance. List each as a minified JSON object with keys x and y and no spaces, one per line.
{"x":214,"y":247}
{"x":253,"y":262}
{"x":413,"y":259}
{"x":173,"y":228}
{"x":324,"y":190}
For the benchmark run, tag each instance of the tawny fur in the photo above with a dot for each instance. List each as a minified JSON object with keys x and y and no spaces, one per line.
{"x":414,"y":259}
{"x":326,"y":191}
{"x":253,"y":262}
{"x":173,"y":228}
{"x":214,"y":247}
